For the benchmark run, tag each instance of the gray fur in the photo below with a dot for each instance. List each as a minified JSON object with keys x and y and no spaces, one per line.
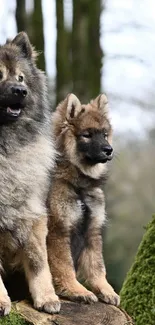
{"x":26,"y":158}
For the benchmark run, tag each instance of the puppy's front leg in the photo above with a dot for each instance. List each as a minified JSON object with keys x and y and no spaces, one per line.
{"x":62,"y":268}
{"x":92,"y":268}
{"x":37,"y":270}
{"x":91,"y":263}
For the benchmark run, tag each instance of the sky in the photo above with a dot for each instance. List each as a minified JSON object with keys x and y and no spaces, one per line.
{"x":128,"y":41}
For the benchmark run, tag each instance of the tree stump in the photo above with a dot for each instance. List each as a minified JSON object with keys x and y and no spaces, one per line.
{"x":71,"y":313}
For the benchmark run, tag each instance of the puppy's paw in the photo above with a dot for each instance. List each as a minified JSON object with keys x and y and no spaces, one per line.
{"x":87,"y":297}
{"x":49,"y":305}
{"x":110,"y":298}
{"x":76,"y":292}
{"x":5,"y":305}
{"x":107,"y":294}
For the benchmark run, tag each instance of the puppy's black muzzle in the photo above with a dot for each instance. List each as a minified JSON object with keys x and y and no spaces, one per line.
{"x":100,"y":156}
{"x":107,"y":152}
{"x":97,"y":150}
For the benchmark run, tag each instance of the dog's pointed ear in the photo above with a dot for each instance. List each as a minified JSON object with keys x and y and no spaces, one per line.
{"x":73,"y":106}
{"x":102,"y":103}
{"x":22,"y":41}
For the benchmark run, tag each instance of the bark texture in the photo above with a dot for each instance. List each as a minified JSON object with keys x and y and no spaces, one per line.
{"x":71,"y":314}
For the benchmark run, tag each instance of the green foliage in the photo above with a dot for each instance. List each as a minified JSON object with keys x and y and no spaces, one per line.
{"x":138,"y":292}
{"x":13,"y":319}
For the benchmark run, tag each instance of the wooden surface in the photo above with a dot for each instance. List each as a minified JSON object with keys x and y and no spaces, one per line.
{"x":75,"y":314}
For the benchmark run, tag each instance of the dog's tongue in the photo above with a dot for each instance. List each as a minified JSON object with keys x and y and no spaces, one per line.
{"x":15,"y":112}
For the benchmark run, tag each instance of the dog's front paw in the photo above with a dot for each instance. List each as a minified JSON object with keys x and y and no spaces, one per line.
{"x":77,"y":292}
{"x":86,"y":297}
{"x":107,"y":294}
{"x":5,"y":305}
{"x":49,"y":304}
{"x":111,"y":298}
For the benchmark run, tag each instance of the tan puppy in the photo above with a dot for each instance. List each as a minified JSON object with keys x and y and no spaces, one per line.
{"x":76,"y":204}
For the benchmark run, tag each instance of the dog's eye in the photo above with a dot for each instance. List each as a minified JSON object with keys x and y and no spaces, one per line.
{"x":105,"y":135}
{"x":20,"y":78}
{"x":1,"y":75}
{"x":86,"y":135}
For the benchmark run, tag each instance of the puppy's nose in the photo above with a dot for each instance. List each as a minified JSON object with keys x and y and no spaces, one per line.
{"x":19,"y":91}
{"x":108,"y":150}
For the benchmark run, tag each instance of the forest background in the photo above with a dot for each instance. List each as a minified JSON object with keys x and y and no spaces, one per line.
{"x":88,"y":47}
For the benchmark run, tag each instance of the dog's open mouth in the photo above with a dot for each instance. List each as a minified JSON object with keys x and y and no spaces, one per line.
{"x":13,"y":112}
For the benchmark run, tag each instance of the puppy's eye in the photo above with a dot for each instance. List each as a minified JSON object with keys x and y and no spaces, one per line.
{"x":20,"y":78}
{"x":1,"y":75}
{"x":86,"y":135}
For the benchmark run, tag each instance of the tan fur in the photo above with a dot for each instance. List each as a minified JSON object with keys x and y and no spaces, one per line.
{"x":77,"y":196}
{"x":42,"y":292}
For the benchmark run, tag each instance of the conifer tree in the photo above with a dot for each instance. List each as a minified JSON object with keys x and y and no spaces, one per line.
{"x":138,"y":292}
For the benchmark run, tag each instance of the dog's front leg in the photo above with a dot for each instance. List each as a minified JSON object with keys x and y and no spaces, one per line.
{"x":5,"y":302}
{"x":62,"y":268}
{"x":37,"y":270}
{"x":92,"y":268}
{"x":91,"y":263}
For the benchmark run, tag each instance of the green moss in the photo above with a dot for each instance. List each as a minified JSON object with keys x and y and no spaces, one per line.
{"x":138,"y":292}
{"x":13,"y":319}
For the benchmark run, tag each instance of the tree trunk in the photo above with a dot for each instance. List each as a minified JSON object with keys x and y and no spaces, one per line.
{"x":62,"y":55}
{"x":95,"y":53}
{"x":70,"y":314}
{"x":37,"y":32}
{"x":21,"y":17}
{"x":86,"y":50}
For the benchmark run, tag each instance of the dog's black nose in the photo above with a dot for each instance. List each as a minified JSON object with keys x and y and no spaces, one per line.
{"x":108,"y":150}
{"x":19,"y":91}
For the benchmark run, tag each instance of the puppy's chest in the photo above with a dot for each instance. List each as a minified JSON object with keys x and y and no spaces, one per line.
{"x":80,"y":230}
{"x":91,"y":203}
{"x":92,"y":216}
{"x":82,"y":203}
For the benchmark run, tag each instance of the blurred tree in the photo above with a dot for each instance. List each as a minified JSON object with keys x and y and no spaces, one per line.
{"x":95,"y":53}
{"x":86,"y":50}
{"x":37,"y":32}
{"x":63,"y":75}
{"x":32,"y":23}
{"x":21,"y":17}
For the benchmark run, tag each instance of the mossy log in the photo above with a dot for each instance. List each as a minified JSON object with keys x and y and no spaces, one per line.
{"x":138,"y":292}
{"x":71,"y":314}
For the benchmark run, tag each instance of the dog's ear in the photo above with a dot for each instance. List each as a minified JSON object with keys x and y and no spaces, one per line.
{"x":73,"y":106}
{"x":22,"y":41}
{"x":8,"y":41}
{"x":102,"y":103}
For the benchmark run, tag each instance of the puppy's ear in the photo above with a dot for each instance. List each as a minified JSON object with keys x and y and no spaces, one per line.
{"x":102,"y":103}
{"x":22,"y":41}
{"x":73,"y":106}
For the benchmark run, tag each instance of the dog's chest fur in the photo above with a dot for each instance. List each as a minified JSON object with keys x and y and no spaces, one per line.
{"x":92,"y":204}
{"x":24,"y":185}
